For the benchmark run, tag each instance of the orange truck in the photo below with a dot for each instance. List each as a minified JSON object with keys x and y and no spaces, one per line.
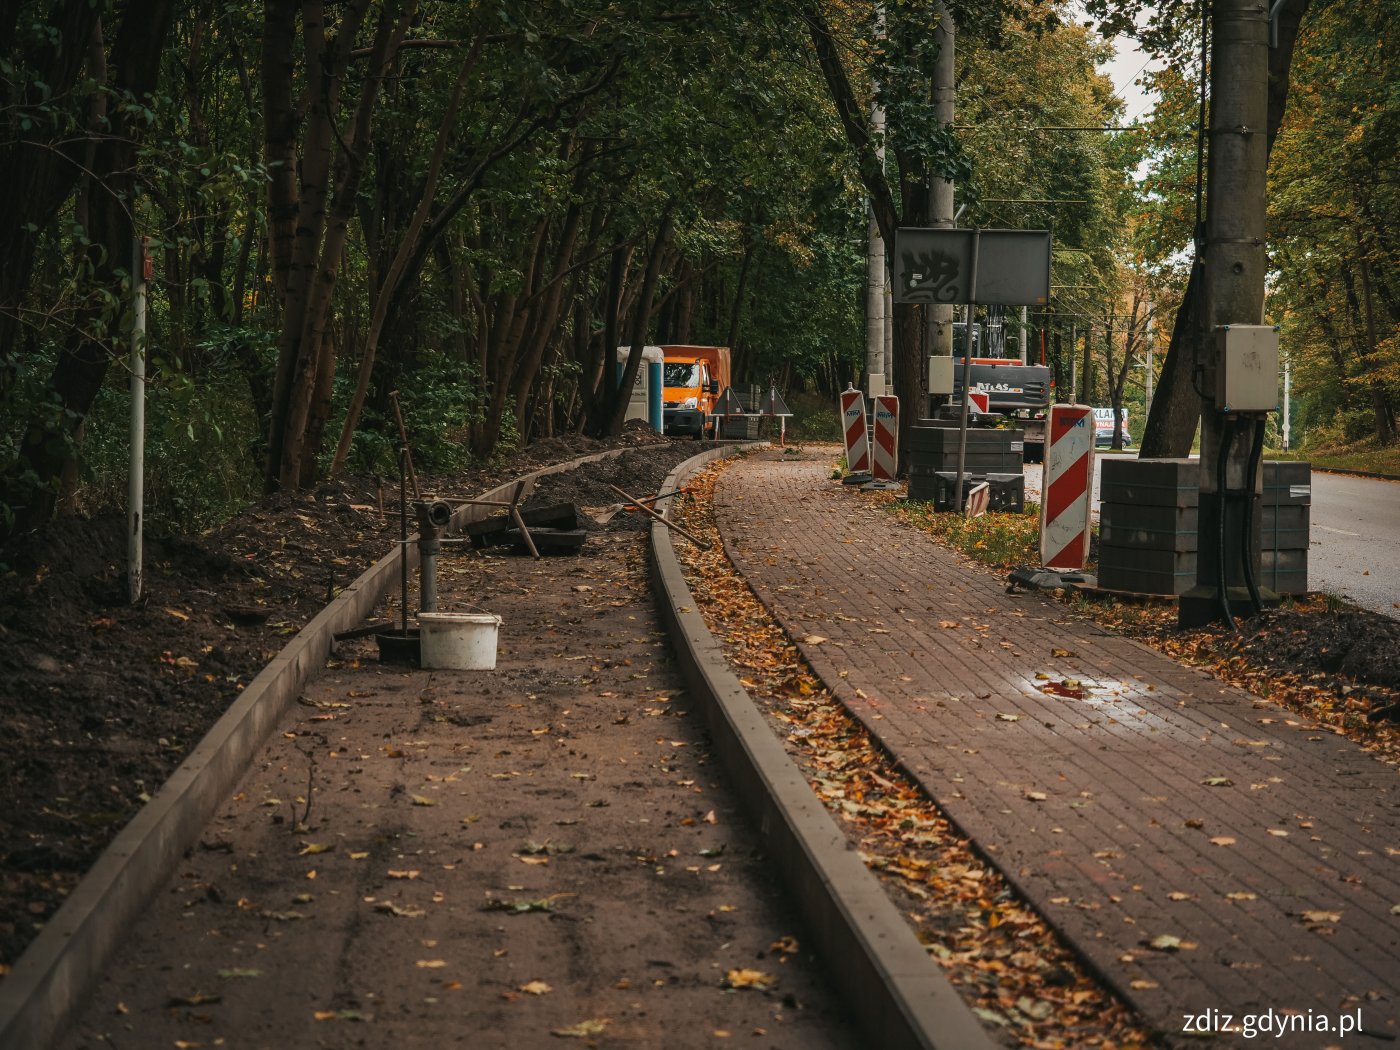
{"x":694,"y":378}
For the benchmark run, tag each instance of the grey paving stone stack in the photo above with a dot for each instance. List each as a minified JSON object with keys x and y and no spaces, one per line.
{"x":743,"y":428}
{"x":1148,"y":526}
{"x":933,"y":450}
{"x":1285,"y":516}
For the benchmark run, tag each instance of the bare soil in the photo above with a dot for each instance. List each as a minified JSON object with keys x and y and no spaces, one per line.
{"x":500,"y":859}
{"x":100,"y":699}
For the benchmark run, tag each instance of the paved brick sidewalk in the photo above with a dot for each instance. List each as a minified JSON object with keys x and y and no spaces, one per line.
{"x":1280,"y":883}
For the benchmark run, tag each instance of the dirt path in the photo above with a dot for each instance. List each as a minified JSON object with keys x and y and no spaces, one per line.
{"x":489,"y":859}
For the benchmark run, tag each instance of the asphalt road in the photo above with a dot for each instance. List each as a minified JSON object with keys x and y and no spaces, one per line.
{"x":1355,"y":543}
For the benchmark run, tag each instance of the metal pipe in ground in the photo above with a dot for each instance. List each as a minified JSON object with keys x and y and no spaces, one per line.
{"x":966,"y":373}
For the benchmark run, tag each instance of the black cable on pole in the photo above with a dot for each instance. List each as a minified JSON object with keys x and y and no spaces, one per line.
{"x":1256,"y":452}
{"x":1222,"y":460}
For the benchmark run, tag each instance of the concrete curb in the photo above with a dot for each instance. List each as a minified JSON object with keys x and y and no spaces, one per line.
{"x":1374,"y":474}
{"x":897,"y":994}
{"x":59,"y":967}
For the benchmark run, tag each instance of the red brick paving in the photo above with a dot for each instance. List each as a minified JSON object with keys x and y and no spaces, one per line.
{"x":1126,"y":821}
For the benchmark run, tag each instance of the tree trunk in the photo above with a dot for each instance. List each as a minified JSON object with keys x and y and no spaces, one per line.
{"x":408,"y":247}
{"x":304,"y":356}
{"x":1171,"y":424}
{"x":48,"y":456}
{"x":617,"y":414}
{"x":1176,"y":409}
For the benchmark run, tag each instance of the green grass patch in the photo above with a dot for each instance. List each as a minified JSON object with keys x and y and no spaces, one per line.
{"x":1363,"y":456}
{"x":996,"y":539}
{"x":814,"y":418}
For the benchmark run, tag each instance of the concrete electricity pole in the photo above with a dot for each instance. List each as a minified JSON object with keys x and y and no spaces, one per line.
{"x":939,"y":318}
{"x":875,"y":310}
{"x":1236,"y":191}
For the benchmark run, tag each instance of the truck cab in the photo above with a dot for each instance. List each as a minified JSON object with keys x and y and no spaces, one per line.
{"x":693,"y":377}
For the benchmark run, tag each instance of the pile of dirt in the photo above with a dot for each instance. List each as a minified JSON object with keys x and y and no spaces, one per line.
{"x":1352,"y":644}
{"x":101,"y":699}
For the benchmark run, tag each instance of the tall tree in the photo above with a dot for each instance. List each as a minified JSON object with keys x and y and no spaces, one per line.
{"x":47,"y":454}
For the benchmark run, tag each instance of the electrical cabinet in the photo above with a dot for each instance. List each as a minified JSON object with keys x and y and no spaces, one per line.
{"x":1246,"y":375}
{"x":940,"y":375}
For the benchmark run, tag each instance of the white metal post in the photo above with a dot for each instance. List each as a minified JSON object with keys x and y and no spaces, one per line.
{"x":135,"y":479}
{"x":1287,"y":391}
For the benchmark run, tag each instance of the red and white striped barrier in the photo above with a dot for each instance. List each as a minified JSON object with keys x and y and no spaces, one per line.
{"x":853,"y":423}
{"x":980,"y":400}
{"x":979,"y":498}
{"x":1065,"y":487}
{"x":886,"y":437}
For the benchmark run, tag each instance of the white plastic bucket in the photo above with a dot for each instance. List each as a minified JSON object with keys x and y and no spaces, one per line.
{"x":459,"y":641}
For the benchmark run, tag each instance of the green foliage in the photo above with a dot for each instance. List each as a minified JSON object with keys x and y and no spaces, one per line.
{"x":815,"y":417}
{"x":446,"y":398}
{"x":200,"y":450}
{"x":1335,"y":225}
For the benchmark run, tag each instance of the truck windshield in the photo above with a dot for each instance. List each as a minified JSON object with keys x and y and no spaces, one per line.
{"x":680,"y":373}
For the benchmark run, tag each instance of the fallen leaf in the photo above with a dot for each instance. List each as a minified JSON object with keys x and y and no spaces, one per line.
{"x":193,"y":1000}
{"x":1321,"y":917}
{"x":522,"y":906}
{"x":535,"y":988}
{"x":1062,"y":653}
{"x":1141,"y":985}
{"x":814,"y":639}
{"x":1241,"y":895}
{"x":400,"y":912}
{"x":1177,"y":895}
{"x":1165,"y":943}
{"x":408,"y":874}
{"x":431,"y":964}
{"x":749,"y":979}
{"x":315,"y":847}
{"x":1036,"y":796}
{"x":1008,"y":718}
{"x":582,"y":1030}
{"x":1035,"y":1009}
{"x":423,"y":800}
{"x":1218,"y":782}
{"x":283,"y":916}
{"x":1223,"y":840}
{"x":949,"y":624}
{"x":239,"y":972}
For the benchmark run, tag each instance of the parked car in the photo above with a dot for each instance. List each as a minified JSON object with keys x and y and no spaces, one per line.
{"x":1103,"y":428}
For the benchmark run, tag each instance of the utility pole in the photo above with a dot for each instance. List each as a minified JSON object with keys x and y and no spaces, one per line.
{"x":938,"y":319}
{"x":875,"y":310}
{"x":1233,"y":287}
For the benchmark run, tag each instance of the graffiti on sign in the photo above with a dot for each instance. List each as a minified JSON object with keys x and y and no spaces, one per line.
{"x":931,"y":276}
